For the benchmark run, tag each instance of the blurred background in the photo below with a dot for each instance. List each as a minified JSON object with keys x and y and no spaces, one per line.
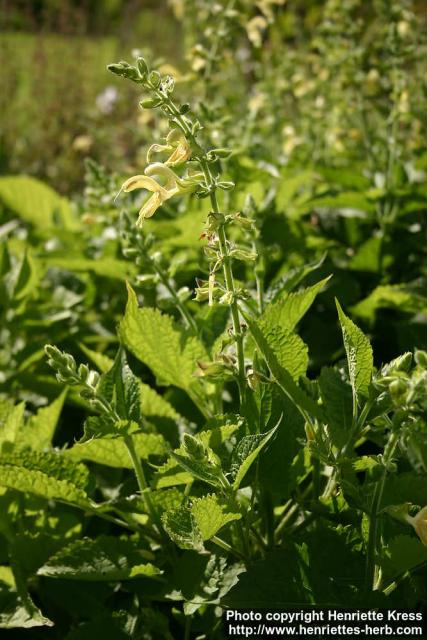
{"x":291,"y":63}
{"x":58,"y":102}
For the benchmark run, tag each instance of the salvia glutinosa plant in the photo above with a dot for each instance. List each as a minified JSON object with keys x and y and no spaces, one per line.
{"x":222,"y":462}
{"x":275,"y":466}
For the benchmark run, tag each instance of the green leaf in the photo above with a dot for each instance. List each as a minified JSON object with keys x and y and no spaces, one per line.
{"x":282,"y":376}
{"x":292,"y":279}
{"x":35,"y":202}
{"x":200,"y":469}
{"x":171,"y":473}
{"x":404,"y":553}
{"x":168,"y":350}
{"x":359,"y":355}
{"x":127,"y":392}
{"x":152,"y":403}
{"x":11,"y":420}
{"x":291,"y":352}
{"x":49,"y":475}
{"x":103,"y":267}
{"x":210,"y":515}
{"x":112,"y":452}
{"x":349,"y":204}
{"x":337,"y":403}
{"x":38,"y":431}
{"x":288,"y":310}
{"x":18,"y":613}
{"x":282,"y":465}
{"x":181,"y":526}
{"x":368,"y":256}
{"x":24,"y":278}
{"x":406,"y":298}
{"x":104,"y":558}
{"x":246,"y":452}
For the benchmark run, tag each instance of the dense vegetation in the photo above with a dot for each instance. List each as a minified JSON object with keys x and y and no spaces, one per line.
{"x":214,"y":395}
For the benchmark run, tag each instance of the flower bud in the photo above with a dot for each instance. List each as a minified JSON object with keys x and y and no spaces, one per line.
{"x":150,"y":103}
{"x":421,"y":358}
{"x":222,"y":153}
{"x":193,"y":446}
{"x":142,"y":67}
{"x":226,"y":186}
{"x":184,"y":108}
{"x":155,"y":78}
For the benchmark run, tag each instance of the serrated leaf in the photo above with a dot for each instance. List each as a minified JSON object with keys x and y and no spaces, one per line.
{"x":34,"y":201}
{"x":246,"y":452}
{"x":181,"y":526}
{"x":38,"y":431}
{"x":289,"y":349}
{"x":168,"y":350}
{"x":104,"y":558}
{"x":112,"y":452}
{"x":359,"y":355}
{"x":288,"y":310}
{"x":210,"y":515}
{"x":48,"y":475}
{"x":281,"y":375}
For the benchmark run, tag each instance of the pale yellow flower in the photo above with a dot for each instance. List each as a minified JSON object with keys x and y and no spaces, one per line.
{"x":255,"y":29}
{"x":173,"y":186}
{"x":176,"y":144}
{"x":419,"y":522}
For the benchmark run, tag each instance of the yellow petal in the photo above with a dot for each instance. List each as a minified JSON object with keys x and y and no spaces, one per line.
{"x":149,"y":208}
{"x":157,"y":148}
{"x":160,"y":169}
{"x":181,"y":154}
{"x":141,"y":182}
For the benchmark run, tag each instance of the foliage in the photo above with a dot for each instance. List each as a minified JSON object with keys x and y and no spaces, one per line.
{"x":256,"y":394}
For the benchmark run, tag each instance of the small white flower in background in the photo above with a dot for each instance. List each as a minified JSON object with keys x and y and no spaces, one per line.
{"x":419,"y":522}
{"x":106,"y":100}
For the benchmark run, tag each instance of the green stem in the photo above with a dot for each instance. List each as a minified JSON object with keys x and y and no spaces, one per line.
{"x":142,"y":482}
{"x":227,"y":547}
{"x":187,"y":631}
{"x":188,"y":318}
{"x":371,"y":566}
{"x":229,"y":282}
{"x":222,"y":240}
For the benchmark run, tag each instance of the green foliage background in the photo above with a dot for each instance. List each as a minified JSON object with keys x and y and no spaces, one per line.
{"x":255,"y":386}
